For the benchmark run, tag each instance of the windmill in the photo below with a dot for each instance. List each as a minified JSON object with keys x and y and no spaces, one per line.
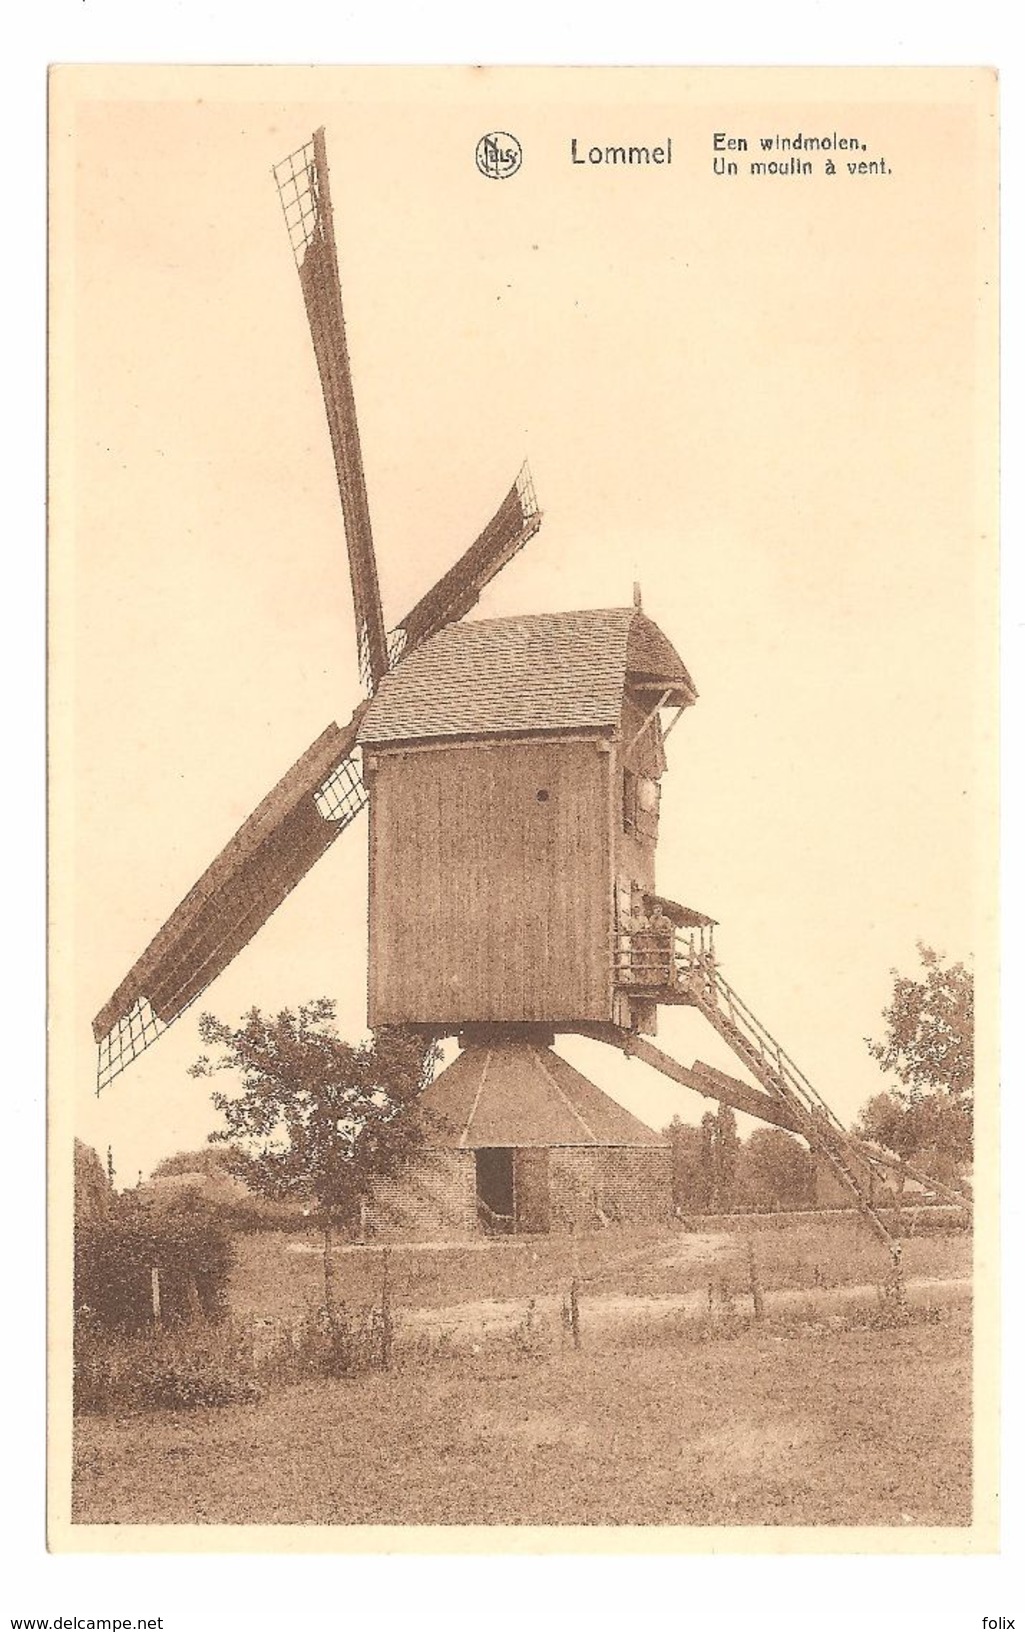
{"x":512,"y":767}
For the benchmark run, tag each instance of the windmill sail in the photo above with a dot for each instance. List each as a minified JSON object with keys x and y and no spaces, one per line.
{"x":304,"y":189}
{"x":304,"y":814}
{"x":515,"y":521}
{"x":272,"y":850}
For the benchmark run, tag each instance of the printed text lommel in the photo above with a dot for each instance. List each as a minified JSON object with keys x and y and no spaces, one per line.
{"x":662,"y":154}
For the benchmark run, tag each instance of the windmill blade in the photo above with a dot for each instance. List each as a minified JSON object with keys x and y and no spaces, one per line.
{"x":273,"y":849}
{"x":515,"y":521}
{"x":305,"y":193}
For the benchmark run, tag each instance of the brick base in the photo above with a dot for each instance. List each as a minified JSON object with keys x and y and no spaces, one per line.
{"x":589,"y":1186}
{"x":435,"y":1199}
{"x":592,"y":1186}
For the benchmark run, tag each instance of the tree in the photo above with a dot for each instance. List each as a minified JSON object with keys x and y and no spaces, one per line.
{"x":726,"y":1148}
{"x":884,"y":1121}
{"x":94,"y":1197}
{"x":928,"y":1045}
{"x":776,"y":1170}
{"x":703,"y":1162}
{"x":689,"y":1168}
{"x":934,"y":1131}
{"x":214,"y":1164}
{"x":720,"y":1149}
{"x":318,"y":1119}
{"x":930,"y":1029}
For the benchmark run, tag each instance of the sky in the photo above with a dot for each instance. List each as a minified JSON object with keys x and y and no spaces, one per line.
{"x":767,"y":400}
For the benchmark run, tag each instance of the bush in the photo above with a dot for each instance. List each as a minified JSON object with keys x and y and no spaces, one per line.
{"x":94,"y":1197}
{"x":176,"y":1368}
{"x":206,"y":1363}
{"x":214,"y":1163}
{"x":341,"y":1344}
{"x":935,"y":1219}
{"x":115,"y":1257}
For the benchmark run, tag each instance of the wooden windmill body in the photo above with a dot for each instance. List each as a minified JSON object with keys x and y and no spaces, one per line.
{"x":512,"y":768}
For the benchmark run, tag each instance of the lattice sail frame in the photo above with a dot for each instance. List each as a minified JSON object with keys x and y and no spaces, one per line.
{"x":343,"y":795}
{"x":338,"y":800}
{"x":127,"y":1039}
{"x":130,"y":1022}
{"x":304,"y":190}
{"x":296,"y":181}
{"x":459,"y":589}
{"x":515,"y":522}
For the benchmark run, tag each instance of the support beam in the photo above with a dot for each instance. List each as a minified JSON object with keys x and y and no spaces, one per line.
{"x":674,"y":721}
{"x":712,"y":1083}
{"x":722,"y":1086}
{"x":779,"y":1115}
{"x":635,"y":739}
{"x":702,"y":1079}
{"x":883,"y":1158}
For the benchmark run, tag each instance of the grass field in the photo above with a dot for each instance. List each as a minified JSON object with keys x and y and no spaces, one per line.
{"x":280,"y":1276}
{"x":677,"y":1409}
{"x":802,"y":1427}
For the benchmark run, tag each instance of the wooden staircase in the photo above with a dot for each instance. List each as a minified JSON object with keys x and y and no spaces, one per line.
{"x":675,"y":968}
{"x":785,"y":1082}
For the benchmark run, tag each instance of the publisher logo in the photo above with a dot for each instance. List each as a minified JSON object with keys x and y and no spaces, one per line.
{"x":498,"y":155}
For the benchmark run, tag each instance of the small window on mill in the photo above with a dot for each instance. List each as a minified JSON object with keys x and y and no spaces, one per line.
{"x":629,"y":802}
{"x":640,"y":806}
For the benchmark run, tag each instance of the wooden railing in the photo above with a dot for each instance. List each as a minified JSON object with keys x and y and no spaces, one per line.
{"x":663,"y":959}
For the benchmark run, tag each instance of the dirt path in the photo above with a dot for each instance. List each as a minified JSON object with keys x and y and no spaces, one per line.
{"x":462,"y":1324}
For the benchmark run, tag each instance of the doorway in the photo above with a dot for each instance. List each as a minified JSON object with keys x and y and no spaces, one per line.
{"x":496,"y":1189}
{"x":532,"y":1191}
{"x":513,"y":1192}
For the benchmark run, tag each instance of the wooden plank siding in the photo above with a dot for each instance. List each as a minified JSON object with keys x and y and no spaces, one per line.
{"x":640,"y":751}
{"x":643,"y":754}
{"x":488,"y":904}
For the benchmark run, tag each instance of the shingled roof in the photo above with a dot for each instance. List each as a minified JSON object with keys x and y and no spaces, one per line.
{"x":553,"y":671}
{"x":516,"y":1095}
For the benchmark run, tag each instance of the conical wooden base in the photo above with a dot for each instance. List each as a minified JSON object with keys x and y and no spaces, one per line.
{"x":517,"y":1094}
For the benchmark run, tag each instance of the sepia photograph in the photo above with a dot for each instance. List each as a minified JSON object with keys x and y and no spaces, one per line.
{"x":522,"y":762}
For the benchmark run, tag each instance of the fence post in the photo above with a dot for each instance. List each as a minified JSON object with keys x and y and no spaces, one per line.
{"x":899,"y":1289}
{"x":386,"y":1321}
{"x":756,"y":1285}
{"x":154,"y":1281}
{"x":192,"y":1297}
{"x":574,"y":1312}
